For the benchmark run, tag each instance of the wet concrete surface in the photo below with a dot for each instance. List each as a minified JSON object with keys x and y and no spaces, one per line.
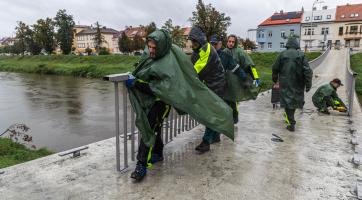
{"x":312,"y":163}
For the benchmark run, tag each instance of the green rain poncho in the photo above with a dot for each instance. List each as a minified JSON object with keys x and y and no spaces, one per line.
{"x":292,"y":71}
{"x":173,"y":80}
{"x":238,"y":89}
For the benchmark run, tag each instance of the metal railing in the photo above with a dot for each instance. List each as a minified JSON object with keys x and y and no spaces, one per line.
{"x":175,"y":124}
{"x":350,"y":83}
{"x":316,"y":62}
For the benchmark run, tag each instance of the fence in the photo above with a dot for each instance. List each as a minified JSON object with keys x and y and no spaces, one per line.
{"x":350,"y":83}
{"x":316,"y":62}
{"x":172,"y":126}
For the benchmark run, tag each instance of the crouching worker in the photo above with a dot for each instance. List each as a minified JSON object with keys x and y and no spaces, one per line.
{"x":326,"y":96}
{"x":165,"y":78}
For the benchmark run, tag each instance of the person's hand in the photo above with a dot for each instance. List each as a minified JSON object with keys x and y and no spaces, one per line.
{"x":257,"y":82}
{"x":130,"y":81}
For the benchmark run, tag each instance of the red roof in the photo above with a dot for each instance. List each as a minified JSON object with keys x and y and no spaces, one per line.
{"x":349,"y":12}
{"x":283,"y":18}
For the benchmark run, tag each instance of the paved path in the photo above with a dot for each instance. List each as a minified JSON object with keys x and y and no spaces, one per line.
{"x":312,"y":163}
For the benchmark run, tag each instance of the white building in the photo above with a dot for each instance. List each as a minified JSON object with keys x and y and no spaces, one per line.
{"x":318,"y":29}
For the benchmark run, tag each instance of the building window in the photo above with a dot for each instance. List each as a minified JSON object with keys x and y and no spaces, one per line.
{"x":342,"y":16}
{"x":270,"y":45}
{"x":309,"y":31}
{"x":317,"y":17}
{"x":81,"y":45}
{"x":340,"y":31}
{"x":356,"y":43}
{"x":354,"y":30}
{"x":261,"y":34}
{"x":354,"y":15}
{"x":282,"y":45}
{"x":307,"y":18}
{"x":325,"y":31}
{"x":261,"y":45}
{"x":282,"y":34}
{"x":329,"y":16}
{"x":270,"y":34}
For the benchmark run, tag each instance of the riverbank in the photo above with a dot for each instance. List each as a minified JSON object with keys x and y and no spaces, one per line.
{"x":12,"y":153}
{"x":99,"y":66}
{"x":356,"y":64}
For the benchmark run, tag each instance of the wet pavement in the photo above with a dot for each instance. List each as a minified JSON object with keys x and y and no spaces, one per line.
{"x":312,"y":163}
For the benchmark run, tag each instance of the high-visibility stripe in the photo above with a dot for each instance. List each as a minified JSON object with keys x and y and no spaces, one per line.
{"x":204,"y":57}
{"x":286,"y":118}
{"x":235,"y":68}
{"x":141,"y":81}
{"x":168,"y":108}
{"x":149,"y":165}
{"x":255,"y":73}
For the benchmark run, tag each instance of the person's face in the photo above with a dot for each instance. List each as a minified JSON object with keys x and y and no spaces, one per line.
{"x":231,"y":42}
{"x":336,"y":85}
{"x":195,"y":45}
{"x":218,"y":45}
{"x":152,"y":48}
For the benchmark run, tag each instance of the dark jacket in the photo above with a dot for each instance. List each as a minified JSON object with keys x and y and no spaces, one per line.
{"x":294,"y":74}
{"x":326,"y":93}
{"x":207,"y":63}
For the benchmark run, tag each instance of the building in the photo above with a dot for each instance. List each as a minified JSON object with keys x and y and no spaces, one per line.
{"x":349,"y":25}
{"x":252,"y":35}
{"x":7,"y":41}
{"x":318,"y":29}
{"x":272,"y":33}
{"x":84,"y":38}
{"x":130,"y":32}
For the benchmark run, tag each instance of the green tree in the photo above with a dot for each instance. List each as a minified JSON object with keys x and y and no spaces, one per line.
{"x":124,"y":43}
{"x":31,"y":44}
{"x":138,"y":43}
{"x":44,"y":34}
{"x":88,"y":51}
{"x":65,"y":25}
{"x":210,"y":20}
{"x":150,"y":28}
{"x":21,"y":30}
{"x":176,"y":33}
{"x":248,"y":44}
{"x":98,"y":38}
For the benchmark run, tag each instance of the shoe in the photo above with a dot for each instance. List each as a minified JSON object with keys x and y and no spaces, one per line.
{"x":324,"y":111}
{"x":156,"y":158}
{"x":236,"y":120}
{"x":203,"y":147}
{"x":291,"y":128}
{"x":139,"y":173}
{"x":216,"y":140}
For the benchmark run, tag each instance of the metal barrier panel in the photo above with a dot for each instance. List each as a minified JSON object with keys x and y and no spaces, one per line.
{"x":316,"y":62}
{"x":350,"y":83}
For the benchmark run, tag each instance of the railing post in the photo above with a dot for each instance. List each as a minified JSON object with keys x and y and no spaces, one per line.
{"x":116,"y":89}
{"x":125,"y":121}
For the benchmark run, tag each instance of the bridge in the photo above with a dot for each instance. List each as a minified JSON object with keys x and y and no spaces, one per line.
{"x":318,"y":161}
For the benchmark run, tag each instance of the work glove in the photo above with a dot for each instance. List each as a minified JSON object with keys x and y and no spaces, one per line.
{"x":256,"y":82}
{"x":130,"y":81}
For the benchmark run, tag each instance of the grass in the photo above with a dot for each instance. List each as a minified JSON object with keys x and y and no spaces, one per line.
{"x":12,"y":153}
{"x":264,"y":63}
{"x":99,"y":66}
{"x":356,"y":64}
{"x":79,"y":66}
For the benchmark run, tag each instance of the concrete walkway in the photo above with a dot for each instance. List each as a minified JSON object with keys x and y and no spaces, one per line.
{"x":312,"y":163}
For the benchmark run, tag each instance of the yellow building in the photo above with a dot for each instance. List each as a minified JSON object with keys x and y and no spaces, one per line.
{"x":84,"y":38}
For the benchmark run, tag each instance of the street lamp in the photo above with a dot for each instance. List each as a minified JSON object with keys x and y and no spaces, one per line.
{"x":311,"y":21}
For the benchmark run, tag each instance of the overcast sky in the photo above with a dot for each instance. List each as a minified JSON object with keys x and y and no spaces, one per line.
{"x":119,"y":13}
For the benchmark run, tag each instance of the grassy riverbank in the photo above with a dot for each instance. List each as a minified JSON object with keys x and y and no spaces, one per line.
{"x":356,"y":64}
{"x":99,"y":66}
{"x":12,"y":153}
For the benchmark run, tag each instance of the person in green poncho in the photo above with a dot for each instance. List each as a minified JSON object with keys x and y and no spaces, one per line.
{"x":292,"y":71}
{"x":164,"y":78}
{"x":326,"y":96}
{"x":208,"y":66}
{"x":240,"y":88}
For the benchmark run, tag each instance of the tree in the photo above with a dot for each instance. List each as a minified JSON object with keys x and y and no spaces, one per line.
{"x":98,"y":38}
{"x":248,"y":44}
{"x":124,"y":43}
{"x":31,"y":44}
{"x":176,"y":33}
{"x":65,"y":25}
{"x":138,"y":43}
{"x":21,"y":30}
{"x":210,"y":20}
{"x":88,"y":51}
{"x":150,"y":28}
{"x":44,"y":34}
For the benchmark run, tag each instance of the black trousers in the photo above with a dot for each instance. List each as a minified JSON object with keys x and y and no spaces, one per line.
{"x":290,"y":114}
{"x":233,"y":105}
{"x":157,"y":114}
